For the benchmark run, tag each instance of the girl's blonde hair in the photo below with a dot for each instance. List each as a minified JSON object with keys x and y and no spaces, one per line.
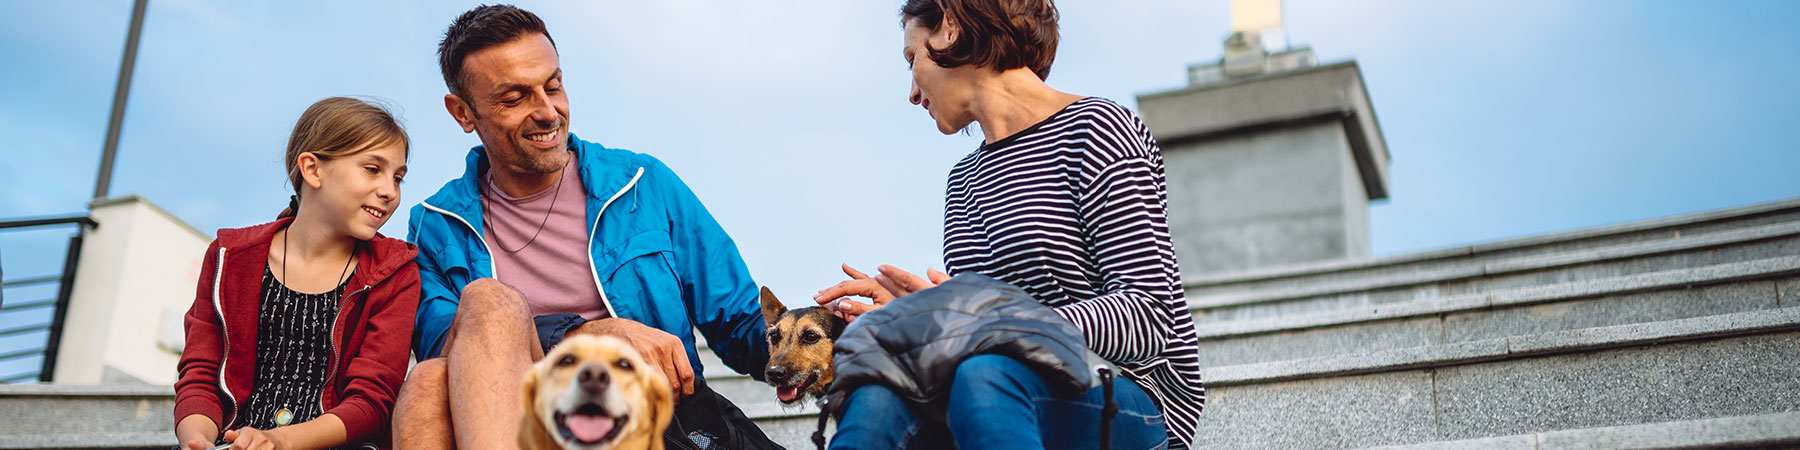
{"x":339,"y":127}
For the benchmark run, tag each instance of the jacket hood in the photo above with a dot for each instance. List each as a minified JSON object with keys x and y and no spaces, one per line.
{"x":388,"y":254}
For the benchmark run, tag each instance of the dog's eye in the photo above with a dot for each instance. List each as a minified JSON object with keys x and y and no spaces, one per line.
{"x":774,"y":337}
{"x":567,"y":360}
{"x":809,"y":338}
{"x":623,"y":364}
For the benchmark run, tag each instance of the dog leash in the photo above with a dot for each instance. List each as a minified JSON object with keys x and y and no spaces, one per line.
{"x":1110,"y":410}
{"x":818,"y":436}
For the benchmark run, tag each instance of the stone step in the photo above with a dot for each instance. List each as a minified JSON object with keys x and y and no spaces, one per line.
{"x":1781,"y":211}
{"x":1300,"y":295}
{"x":34,"y":416}
{"x":1778,"y":430}
{"x":1649,"y":297}
{"x":1728,"y":365}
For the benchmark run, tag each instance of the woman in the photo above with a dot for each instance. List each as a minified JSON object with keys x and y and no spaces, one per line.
{"x":1064,"y":198}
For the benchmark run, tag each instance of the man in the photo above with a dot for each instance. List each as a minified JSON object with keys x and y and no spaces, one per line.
{"x":547,"y":235}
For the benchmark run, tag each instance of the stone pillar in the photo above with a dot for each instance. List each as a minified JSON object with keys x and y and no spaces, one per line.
{"x":1271,"y":168}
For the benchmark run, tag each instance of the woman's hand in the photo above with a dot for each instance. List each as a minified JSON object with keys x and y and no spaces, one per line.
{"x":253,"y":439}
{"x":891,"y":283}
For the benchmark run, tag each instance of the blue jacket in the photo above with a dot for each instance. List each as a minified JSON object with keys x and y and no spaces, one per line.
{"x":657,"y":256}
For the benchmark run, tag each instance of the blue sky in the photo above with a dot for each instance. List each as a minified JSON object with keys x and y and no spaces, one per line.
{"x":789,"y":119}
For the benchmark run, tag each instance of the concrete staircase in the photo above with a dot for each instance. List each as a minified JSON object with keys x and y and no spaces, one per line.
{"x":1670,"y":333}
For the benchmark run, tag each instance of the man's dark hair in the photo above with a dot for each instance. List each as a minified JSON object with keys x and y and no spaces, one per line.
{"x":479,"y":28}
{"x":999,"y":34}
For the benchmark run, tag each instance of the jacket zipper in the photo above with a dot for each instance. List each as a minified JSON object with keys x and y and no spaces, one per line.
{"x":224,"y":352}
{"x":331,"y":360}
{"x":595,"y":271}
{"x":595,"y":230}
{"x":492,"y":271}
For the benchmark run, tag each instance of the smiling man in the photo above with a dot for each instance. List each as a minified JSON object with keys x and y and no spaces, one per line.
{"x":546,"y":235}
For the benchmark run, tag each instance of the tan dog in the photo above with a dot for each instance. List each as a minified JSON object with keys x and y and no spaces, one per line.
{"x":799,"y":349}
{"x":595,"y":392}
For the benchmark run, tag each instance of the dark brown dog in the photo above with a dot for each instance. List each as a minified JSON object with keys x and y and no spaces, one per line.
{"x":799,"y":349}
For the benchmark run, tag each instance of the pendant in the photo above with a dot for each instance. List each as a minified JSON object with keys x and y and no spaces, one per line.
{"x":283,"y":417}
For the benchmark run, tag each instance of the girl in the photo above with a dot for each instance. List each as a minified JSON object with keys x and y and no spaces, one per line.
{"x":298,"y":334}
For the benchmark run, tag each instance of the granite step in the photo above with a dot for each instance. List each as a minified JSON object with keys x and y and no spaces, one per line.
{"x":1301,"y":295}
{"x":1782,"y":211}
{"x":1720,"y":366}
{"x":1648,"y":297}
{"x":1778,"y":430}
{"x":36,"y":416}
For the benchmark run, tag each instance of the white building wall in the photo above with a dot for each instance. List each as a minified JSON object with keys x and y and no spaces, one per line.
{"x":135,"y":279}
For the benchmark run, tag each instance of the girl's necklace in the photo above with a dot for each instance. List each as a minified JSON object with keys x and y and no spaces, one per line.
{"x":285,"y":416}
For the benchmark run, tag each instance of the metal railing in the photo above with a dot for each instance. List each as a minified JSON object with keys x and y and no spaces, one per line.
{"x":65,"y":282}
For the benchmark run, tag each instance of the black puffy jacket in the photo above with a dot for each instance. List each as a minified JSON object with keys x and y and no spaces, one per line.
{"x":914,"y":344}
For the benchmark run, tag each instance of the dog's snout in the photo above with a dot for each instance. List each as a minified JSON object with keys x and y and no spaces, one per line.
{"x":594,"y":377}
{"x":776,"y":373}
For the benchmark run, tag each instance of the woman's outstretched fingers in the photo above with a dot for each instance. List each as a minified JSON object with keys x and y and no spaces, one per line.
{"x":936,"y":276}
{"x":853,"y":273}
{"x":901,"y":282}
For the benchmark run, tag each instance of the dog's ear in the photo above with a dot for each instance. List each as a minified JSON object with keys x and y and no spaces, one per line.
{"x":772,"y":308}
{"x":662,"y":405}
{"x":531,"y":431}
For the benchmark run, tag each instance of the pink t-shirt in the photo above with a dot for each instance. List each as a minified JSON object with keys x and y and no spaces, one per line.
{"x":553,"y":271}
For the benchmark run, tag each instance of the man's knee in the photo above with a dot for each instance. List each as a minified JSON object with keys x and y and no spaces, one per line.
{"x":427,"y":377}
{"x":488,"y":302}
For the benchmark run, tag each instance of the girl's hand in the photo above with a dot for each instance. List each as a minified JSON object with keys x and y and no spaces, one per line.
{"x":196,"y":444}
{"x":253,"y":439}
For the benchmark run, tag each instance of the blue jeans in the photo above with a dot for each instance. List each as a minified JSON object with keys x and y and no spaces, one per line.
{"x":998,"y":403}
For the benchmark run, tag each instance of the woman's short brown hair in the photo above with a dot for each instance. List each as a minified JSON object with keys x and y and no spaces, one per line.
{"x":999,"y":34}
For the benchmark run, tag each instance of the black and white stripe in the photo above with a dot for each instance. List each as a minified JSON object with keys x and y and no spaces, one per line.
{"x":1073,"y":210}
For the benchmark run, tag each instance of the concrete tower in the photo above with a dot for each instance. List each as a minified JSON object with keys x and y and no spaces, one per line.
{"x":1272,"y":159}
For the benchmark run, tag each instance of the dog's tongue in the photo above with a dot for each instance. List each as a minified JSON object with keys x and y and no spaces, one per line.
{"x":589,"y":428}
{"x":787,"y":394}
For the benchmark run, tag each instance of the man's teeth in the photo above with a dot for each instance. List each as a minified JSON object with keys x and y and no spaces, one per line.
{"x":546,"y":137}
{"x":377,"y":214}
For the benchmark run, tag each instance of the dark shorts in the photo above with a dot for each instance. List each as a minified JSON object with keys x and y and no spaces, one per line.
{"x":552,"y":327}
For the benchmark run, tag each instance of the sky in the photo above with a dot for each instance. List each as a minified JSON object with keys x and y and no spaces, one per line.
{"x":789,"y":119}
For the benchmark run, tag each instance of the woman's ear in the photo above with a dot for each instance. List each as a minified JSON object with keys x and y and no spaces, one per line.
{"x":312,"y":173}
{"x":949,"y":31}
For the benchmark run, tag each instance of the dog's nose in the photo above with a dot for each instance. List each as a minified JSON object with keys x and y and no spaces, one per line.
{"x":776,"y":373}
{"x":593,"y":377}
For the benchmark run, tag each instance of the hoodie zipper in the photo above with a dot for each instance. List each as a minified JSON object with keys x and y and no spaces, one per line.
{"x":225,"y":352}
{"x":595,"y":230}
{"x":331,"y":360}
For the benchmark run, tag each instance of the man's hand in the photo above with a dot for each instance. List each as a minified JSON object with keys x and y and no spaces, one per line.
{"x":891,"y":283}
{"x":659,"y":348}
{"x":253,"y":439}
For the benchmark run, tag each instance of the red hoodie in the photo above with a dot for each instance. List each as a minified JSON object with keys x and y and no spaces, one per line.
{"x":372,"y":332}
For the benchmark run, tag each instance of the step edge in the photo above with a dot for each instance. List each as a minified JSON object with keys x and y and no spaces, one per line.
{"x":1747,"y":211}
{"x":1501,"y":267}
{"x":1764,"y":430}
{"x":1522,"y":296}
{"x":1508,"y":348}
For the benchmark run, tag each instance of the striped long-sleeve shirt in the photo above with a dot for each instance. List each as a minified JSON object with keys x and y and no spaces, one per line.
{"x":1073,"y":210}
